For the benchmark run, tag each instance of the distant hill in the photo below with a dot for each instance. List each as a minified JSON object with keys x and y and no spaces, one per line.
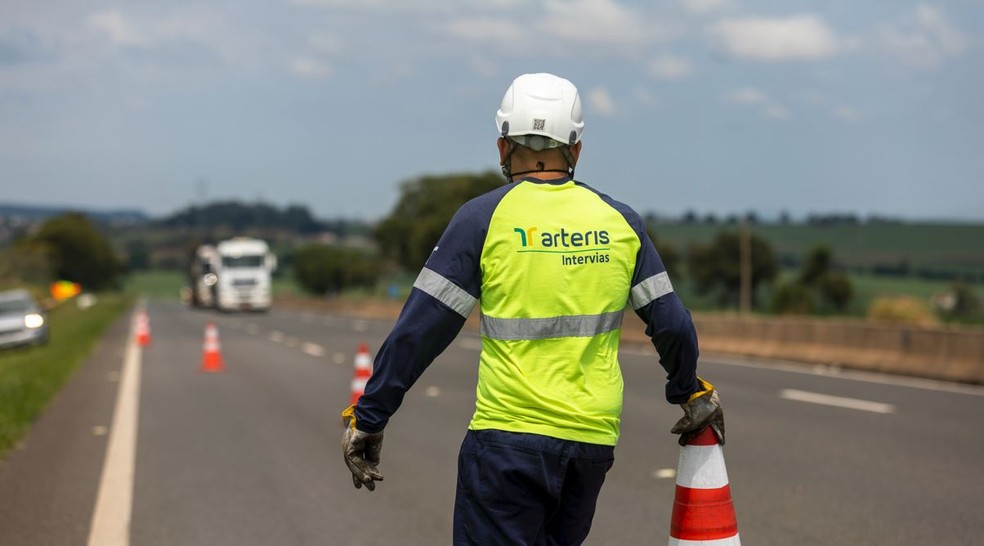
{"x":37,"y":213}
{"x":244,"y":216}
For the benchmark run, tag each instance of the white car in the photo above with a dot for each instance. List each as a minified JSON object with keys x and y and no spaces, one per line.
{"x":22,"y":321}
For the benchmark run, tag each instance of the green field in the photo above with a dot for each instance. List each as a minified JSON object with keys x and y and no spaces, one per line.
{"x":956,"y":247}
{"x":155,"y":284}
{"x":30,"y":377}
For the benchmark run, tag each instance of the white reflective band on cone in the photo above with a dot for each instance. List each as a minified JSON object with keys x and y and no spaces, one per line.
{"x":730,"y":541}
{"x":702,"y":467}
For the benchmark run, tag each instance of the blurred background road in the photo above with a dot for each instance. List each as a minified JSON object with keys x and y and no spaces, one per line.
{"x":251,"y":455}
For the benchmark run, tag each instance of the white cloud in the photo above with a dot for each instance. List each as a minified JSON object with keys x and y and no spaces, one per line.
{"x":487,"y":29}
{"x":184,"y":35}
{"x":601,"y":102}
{"x":373,"y":5}
{"x":925,"y":38}
{"x":116,"y":27}
{"x":702,"y":7}
{"x":759,"y":100}
{"x":671,"y":67}
{"x":747,"y":95}
{"x":309,"y":67}
{"x":561,"y":28}
{"x":801,"y":37}
{"x":496,"y":4}
{"x":597,"y":21}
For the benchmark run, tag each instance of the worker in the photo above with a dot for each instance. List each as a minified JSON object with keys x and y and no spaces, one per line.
{"x":552,"y":263}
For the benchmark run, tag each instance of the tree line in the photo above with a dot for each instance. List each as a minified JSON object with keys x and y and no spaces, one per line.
{"x":72,"y":247}
{"x":407,"y":235}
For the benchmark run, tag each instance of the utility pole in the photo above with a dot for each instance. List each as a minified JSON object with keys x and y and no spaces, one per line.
{"x":745,"y":265}
{"x":202,"y":184}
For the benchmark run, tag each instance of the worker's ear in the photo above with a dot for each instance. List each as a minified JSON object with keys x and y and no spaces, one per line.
{"x":576,"y":151}
{"x":503,"y":146}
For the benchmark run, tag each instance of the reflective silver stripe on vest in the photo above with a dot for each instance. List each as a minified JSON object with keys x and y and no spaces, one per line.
{"x":545,"y":328}
{"x":445,"y":292}
{"x":648,"y":290}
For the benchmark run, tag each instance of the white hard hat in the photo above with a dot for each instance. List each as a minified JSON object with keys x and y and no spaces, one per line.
{"x":537,"y":106}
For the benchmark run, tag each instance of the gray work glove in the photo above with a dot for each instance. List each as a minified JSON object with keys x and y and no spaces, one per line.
{"x":702,"y":410}
{"x":361,"y":452}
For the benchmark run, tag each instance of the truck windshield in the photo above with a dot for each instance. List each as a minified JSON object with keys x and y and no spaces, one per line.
{"x":242,"y":261}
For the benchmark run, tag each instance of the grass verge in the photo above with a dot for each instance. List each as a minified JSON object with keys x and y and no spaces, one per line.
{"x":30,"y":377}
{"x":155,"y":284}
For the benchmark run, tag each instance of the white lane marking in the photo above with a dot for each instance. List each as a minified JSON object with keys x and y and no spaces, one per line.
{"x":432,"y":391}
{"x":471,"y":343}
{"x":114,"y":503}
{"x":276,"y":336}
{"x":313,"y":349}
{"x":100,"y":430}
{"x":838,"y":401}
{"x":664,"y":473}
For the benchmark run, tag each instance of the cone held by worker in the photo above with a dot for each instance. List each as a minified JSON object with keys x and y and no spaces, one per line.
{"x":703,"y":512}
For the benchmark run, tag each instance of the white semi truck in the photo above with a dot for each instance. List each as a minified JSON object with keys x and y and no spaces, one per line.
{"x":234,"y":274}
{"x":202,"y":277}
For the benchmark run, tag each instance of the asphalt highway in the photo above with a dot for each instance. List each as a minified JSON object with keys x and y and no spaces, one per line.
{"x":251,"y":455}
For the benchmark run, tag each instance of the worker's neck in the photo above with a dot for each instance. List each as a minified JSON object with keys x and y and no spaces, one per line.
{"x":547,"y":173}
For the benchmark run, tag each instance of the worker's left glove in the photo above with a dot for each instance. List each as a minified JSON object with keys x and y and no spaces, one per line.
{"x":702,"y":410}
{"x":361,"y":451}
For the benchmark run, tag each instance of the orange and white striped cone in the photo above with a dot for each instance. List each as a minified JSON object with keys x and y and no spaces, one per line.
{"x":703,"y":512}
{"x":363,"y":369}
{"x":211,"y":350}
{"x":143,"y":329}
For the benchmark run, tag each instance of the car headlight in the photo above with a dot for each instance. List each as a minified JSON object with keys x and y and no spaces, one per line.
{"x":33,"y":320}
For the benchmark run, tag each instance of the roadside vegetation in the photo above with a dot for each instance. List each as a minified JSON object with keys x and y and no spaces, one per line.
{"x":29,"y":377}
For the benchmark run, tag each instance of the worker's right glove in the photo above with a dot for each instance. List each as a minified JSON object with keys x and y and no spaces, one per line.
{"x":702,"y":410}
{"x":361,"y":451}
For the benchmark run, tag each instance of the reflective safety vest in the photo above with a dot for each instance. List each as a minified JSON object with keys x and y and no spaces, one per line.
{"x":552,"y":265}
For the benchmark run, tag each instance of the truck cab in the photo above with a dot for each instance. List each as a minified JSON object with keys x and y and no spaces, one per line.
{"x":243,"y":274}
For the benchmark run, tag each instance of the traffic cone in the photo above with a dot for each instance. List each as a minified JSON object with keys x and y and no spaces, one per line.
{"x":212,"y":350}
{"x":702,"y":510}
{"x":143,"y":329}
{"x":363,"y":369}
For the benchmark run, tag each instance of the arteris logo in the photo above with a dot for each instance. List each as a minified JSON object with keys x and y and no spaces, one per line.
{"x":577,"y":247}
{"x":563,"y":239}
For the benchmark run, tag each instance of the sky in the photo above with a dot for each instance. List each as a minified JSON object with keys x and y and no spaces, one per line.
{"x":712,"y":106}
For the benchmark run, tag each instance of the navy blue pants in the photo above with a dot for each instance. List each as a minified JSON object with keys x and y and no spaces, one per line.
{"x":526,"y":489}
